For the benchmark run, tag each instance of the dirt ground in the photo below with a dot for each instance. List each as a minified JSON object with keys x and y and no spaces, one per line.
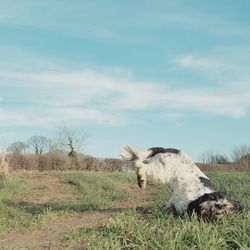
{"x":51,"y":236}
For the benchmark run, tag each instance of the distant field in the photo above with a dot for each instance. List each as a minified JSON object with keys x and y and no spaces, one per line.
{"x":107,"y":211}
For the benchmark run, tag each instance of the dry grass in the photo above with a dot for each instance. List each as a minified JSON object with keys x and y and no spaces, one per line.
{"x":60,"y":161}
{"x":4,"y":167}
{"x":212,"y":167}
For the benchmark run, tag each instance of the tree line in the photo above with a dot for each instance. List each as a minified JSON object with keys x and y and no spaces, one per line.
{"x":64,"y":152}
{"x":68,"y":141}
{"x":60,"y":153}
{"x":239,"y":157}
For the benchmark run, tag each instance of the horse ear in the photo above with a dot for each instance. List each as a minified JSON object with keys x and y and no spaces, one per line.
{"x":146,"y":155}
{"x":128,"y":153}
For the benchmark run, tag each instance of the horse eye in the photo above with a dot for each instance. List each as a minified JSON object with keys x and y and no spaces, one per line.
{"x":146,"y":162}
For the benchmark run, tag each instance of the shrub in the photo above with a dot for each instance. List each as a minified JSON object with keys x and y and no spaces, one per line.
{"x":58,"y":160}
{"x":4,"y":168}
{"x":243,"y":163}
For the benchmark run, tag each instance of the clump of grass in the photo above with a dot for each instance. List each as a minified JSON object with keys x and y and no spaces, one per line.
{"x":97,"y":189}
{"x":10,"y":215}
{"x":14,"y":213}
{"x":17,"y":211}
{"x":122,"y":177}
{"x":235,"y":184}
{"x":158,"y":230}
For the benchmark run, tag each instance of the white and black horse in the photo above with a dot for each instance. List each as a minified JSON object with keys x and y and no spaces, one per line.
{"x":192,"y":191}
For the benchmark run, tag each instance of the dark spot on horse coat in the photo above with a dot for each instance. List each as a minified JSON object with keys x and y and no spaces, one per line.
{"x":206,"y":182}
{"x":140,"y":181}
{"x":159,"y":150}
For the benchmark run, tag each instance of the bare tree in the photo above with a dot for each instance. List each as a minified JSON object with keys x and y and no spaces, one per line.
{"x":239,"y":152}
{"x":214,"y":158}
{"x":205,"y":157}
{"x":70,"y":140}
{"x":241,"y":157}
{"x":17,"y":147}
{"x":38,"y":144}
{"x":53,"y":145}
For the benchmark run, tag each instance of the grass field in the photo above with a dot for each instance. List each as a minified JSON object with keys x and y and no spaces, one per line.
{"x":107,"y":211}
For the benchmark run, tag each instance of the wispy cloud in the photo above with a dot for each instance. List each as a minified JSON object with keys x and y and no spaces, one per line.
{"x":173,"y":116}
{"x":95,"y":97}
{"x":111,"y":23}
{"x":50,"y":118}
{"x":91,"y":26}
{"x":228,"y":67}
{"x":198,"y":62}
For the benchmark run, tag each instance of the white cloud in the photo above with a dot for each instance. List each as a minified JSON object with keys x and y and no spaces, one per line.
{"x":109,"y":21}
{"x":9,"y":118}
{"x":228,"y":61}
{"x":228,"y":71}
{"x":96,"y":97}
{"x":225,"y":104}
{"x":173,"y":116}
{"x":82,"y":115}
{"x":196,"y":62}
{"x":53,"y":117}
{"x":74,"y":88}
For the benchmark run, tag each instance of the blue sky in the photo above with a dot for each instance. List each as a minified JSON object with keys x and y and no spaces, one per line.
{"x":145,"y":73}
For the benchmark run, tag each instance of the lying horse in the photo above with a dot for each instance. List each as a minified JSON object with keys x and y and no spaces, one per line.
{"x":192,"y":191}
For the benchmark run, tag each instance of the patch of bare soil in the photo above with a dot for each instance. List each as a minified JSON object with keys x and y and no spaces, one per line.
{"x":52,"y":235}
{"x":46,"y":188}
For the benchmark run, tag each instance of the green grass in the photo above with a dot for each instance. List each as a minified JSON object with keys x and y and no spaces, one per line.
{"x":11,"y":216}
{"x":133,"y":229}
{"x":97,"y":190}
{"x":157,"y":230}
{"x":17,"y":210}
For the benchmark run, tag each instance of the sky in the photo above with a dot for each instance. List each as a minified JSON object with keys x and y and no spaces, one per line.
{"x":145,"y":73}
